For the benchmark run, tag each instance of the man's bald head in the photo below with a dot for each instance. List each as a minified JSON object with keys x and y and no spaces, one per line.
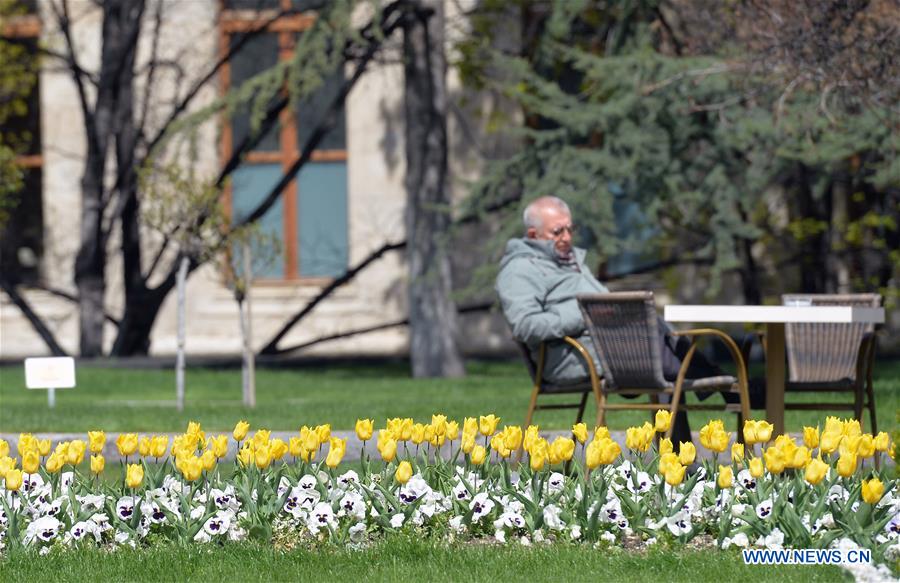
{"x":535,"y":212}
{"x":548,"y":218}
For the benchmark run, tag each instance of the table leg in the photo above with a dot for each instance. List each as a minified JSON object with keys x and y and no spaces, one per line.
{"x":775,"y":376}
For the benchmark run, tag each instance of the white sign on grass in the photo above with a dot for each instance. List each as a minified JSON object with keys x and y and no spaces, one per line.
{"x":50,"y":373}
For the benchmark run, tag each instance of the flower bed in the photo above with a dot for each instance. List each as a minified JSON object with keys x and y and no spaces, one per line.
{"x":461,"y":483}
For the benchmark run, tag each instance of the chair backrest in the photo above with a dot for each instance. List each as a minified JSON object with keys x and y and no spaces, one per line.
{"x":623,"y":327}
{"x":825,"y":352}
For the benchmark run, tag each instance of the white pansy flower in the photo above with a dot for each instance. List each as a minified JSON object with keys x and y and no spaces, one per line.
{"x":764,"y":508}
{"x":775,"y":539}
{"x":218,"y":523}
{"x":608,"y":537}
{"x":43,"y":529}
{"x":552,"y":517}
{"x":397,"y":520}
{"x":357,"y":532}
{"x":352,"y":504}
{"x":481,"y":505}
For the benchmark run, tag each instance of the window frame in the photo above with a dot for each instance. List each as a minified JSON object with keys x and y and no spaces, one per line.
{"x":236,"y":21}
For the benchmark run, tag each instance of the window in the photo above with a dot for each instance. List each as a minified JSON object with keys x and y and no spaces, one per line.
{"x":22,"y":235}
{"x":310,"y":217}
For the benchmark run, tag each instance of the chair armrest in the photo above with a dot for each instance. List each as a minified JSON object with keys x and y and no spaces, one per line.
{"x":729,"y":343}
{"x":592,"y":370}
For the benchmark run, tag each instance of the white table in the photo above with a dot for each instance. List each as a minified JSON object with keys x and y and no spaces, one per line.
{"x":774,"y":317}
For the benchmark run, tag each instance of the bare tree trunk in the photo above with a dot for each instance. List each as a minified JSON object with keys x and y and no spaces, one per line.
{"x":248,"y":370}
{"x":432,"y":315}
{"x":179,"y":359}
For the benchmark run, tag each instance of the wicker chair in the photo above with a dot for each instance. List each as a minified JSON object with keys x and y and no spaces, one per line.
{"x":832,"y":357}
{"x":624,"y":330}
{"x":544,"y":387}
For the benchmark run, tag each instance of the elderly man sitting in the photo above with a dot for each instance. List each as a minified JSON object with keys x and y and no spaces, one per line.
{"x":540,"y":276}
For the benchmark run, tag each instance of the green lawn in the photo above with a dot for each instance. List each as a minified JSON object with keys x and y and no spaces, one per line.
{"x":117,"y":399}
{"x":402,"y":559}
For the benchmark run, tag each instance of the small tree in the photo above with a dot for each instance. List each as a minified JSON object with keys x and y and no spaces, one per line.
{"x":251,"y":250}
{"x":187,"y":213}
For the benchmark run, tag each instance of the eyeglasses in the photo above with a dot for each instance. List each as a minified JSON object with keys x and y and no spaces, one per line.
{"x":560,"y":230}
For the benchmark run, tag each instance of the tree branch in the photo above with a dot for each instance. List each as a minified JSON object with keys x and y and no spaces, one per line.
{"x":72,"y":298}
{"x":272,"y":346}
{"x":36,"y":322}
{"x":405,"y":322}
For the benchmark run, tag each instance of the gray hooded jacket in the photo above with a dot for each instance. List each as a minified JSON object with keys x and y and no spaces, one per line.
{"x":538,"y":295}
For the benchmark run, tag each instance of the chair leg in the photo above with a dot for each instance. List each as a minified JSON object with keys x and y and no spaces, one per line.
{"x":581,"y":406}
{"x":601,"y":410}
{"x":858,"y":406}
{"x":870,"y":393}
{"x":528,"y":416}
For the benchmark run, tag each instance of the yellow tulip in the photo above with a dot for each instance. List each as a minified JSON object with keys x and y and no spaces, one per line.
{"x":468,"y":442}
{"x":388,"y":450}
{"x":144,"y":446}
{"x":757,"y":431}
{"x":97,"y":441}
{"x":277,"y":448}
{"x":487,"y":424}
{"x":127,"y":443}
{"x":833,"y":425}
{"x":531,"y":436}
{"x":262,"y":455}
{"x":218,"y":445}
{"x":726,"y":477}
{"x":160,"y":443}
{"x":851,"y":428}
{"x":539,"y":454}
{"x":579,"y":431}
{"x":830,"y":440}
{"x":667,"y":459}
{"x":62,"y":449}
{"x":775,"y":460}
{"x":816,"y":471}
{"x":674,"y":474}
{"x":336,"y":450}
{"x":872,"y":490}
{"x":686,"y":453}
{"x":244,"y":455}
{"x":262,"y":437}
{"x":800,"y":458}
{"x":634,"y":438}
{"x":756,"y":467}
{"x":6,"y":463}
{"x":498,"y":444}
{"x":4,"y":448}
{"x":512,"y":437}
{"x":601,"y":431}
{"x":662,"y":421}
{"x":882,"y":441}
{"x":404,"y":472}
{"x":240,"y":430}
{"x":324,"y":432}
{"x":31,"y":461}
{"x":98,"y":462}
{"x":478,"y":455}
{"x":364,"y":429}
{"x":665,"y":446}
{"x":310,"y":439}
{"x":866,"y":446}
{"x":714,"y":437}
{"x":811,"y":437}
{"x":54,"y":463}
{"x":562,"y":449}
{"x":208,"y":460}
{"x":609,"y":451}
{"x":134,"y":475}
{"x":194,"y":429}
{"x":418,"y":433}
{"x":26,"y":442}
{"x":295,"y":446}
{"x":850,"y":444}
{"x":75,"y":452}
{"x":737,"y":452}
{"x":452,"y":430}
{"x":13,"y":480}
{"x":191,"y":468}
{"x":846,"y":464}
{"x":43,"y":447}
{"x":592,"y":454}
{"x":439,"y":423}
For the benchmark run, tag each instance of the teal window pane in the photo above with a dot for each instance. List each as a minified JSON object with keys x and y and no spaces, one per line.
{"x":312,"y":108}
{"x":250,"y":184}
{"x":322,"y":219}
